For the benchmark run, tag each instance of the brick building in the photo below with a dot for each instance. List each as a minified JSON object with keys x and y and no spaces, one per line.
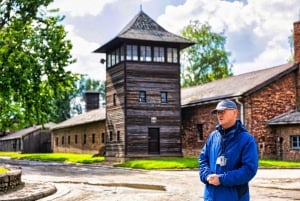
{"x":84,"y":133}
{"x":268,"y":102}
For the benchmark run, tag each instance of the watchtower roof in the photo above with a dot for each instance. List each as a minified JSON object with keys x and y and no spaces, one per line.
{"x":143,"y":28}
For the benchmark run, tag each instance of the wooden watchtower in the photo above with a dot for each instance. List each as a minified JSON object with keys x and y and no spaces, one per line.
{"x":143,"y":109}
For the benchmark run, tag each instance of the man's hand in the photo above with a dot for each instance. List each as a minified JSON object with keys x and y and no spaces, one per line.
{"x":213,"y":179}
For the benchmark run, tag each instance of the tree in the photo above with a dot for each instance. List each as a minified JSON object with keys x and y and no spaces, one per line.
{"x":207,"y":60}
{"x":33,"y":55}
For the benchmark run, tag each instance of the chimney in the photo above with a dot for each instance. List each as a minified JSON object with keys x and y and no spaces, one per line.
{"x":91,"y":100}
{"x":297,"y":41}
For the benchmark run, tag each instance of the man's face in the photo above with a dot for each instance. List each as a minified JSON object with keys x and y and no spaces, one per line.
{"x":227,"y":117}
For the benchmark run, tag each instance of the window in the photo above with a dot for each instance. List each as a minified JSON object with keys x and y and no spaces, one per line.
{"x":142,"y":96}
{"x":113,"y":58}
{"x":115,"y":99}
{"x":117,"y":56}
{"x":102,"y":138}
{"x":76,"y":139}
{"x":109,"y":60}
{"x":164,"y":97}
{"x":84,"y":139}
{"x":69,"y":139}
{"x":118,"y":136}
{"x":56,"y":141}
{"x":295,"y":141}
{"x":159,"y":54}
{"x":172,"y":55}
{"x":131,"y":52}
{"x":110,"y":136}
{"x":93,"y":138}
{"x":200,"y":131}
{"x":145,"y":54}
{"x":63,"y":140}
{"x":122,"y":53}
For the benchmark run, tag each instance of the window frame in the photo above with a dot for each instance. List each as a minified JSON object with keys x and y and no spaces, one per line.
{"x":297,"y":137}
{"x":172,"y":55}
{"x":164,"y":97}
{"x":142,"y":97}
{"x":159,"y":54}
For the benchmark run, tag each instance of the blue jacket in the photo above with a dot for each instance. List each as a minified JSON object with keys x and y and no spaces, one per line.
{"x":240,"y":149}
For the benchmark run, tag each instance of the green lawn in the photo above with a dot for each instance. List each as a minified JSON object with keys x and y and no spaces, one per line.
{"x":58,"y":157}
{"x":161,"y":163}
{"x":148,"y":164}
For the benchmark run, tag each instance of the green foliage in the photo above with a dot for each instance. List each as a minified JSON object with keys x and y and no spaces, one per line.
{"x":207,"y":60}
{"x":33,"y":55}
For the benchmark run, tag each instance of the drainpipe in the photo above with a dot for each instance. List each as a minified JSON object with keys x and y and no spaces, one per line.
{"x":241,"y":110}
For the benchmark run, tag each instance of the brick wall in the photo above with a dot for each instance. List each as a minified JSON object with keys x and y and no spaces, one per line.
{"x":260,"y":107}
{"x":297,"y":41}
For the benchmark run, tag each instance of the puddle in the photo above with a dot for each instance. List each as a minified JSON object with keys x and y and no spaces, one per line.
{"x":137,"y":186}
{"x":125,"y":185}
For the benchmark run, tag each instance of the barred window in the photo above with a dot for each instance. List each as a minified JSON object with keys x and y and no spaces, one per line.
{"x":295,"y":141}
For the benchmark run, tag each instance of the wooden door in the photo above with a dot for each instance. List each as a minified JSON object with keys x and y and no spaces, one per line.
{"x":153,"y":143}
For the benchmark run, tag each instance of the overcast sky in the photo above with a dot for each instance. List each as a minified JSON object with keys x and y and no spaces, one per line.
{"x":257,"y":31}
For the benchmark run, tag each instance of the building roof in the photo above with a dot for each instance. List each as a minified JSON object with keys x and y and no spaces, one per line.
{"x":143,"y":28}
{"x":234,"y":86}
{"x":84,"y":118}
{"x":292,"y":117}
{"x":26,"y":131}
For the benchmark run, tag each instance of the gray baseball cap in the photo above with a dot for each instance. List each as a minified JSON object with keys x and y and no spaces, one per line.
{"x":224,"y":104}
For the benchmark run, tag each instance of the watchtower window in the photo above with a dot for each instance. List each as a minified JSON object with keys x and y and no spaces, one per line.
{"x":131,"y":52}
{"x":164,"y":97}
{"x":172,"y":55}
{"x":142,"y":96}
{"x":113,"y":58}
{"x":159,"y":54}
{"x":109,"y":60}
{"x":122,"y":53}
{"x":145,"y":53}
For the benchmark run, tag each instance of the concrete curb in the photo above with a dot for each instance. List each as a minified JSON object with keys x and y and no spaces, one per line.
{"x":30,"y":192}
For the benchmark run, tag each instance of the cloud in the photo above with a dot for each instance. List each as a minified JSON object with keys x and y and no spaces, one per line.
{"x":257,"y":31}
{"x":81,"y":7}
{"x":87,"y":61}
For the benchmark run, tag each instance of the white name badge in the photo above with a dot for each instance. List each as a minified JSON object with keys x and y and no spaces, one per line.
{"x":221,"y":160}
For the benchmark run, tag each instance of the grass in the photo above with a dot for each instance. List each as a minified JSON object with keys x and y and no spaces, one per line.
{"x":279,"y":164}
{"x":148,"y":164}
{"x":161,"y":163}
{"x":3,"y":170}
{"x":58,"y":157}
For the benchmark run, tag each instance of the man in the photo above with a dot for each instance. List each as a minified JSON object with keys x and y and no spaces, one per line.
{"x":229,"y":158}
